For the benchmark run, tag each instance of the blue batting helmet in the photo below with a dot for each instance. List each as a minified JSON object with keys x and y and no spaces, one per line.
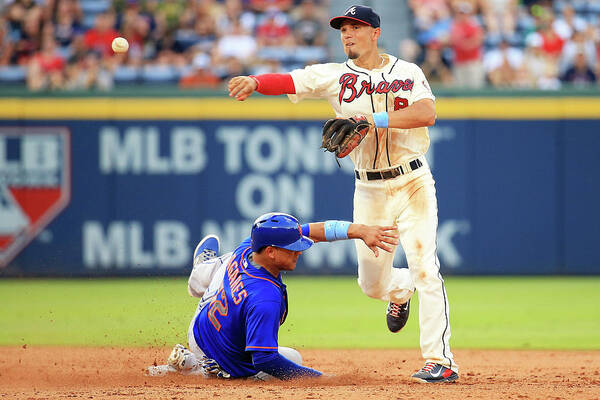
{"x":279,"y":230}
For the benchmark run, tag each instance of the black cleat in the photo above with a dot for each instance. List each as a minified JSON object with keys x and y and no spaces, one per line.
{"x":434,"y":373}
{"x":397,"y":315}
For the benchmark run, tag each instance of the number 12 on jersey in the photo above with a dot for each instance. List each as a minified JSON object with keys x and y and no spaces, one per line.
{"x":219,"y":306}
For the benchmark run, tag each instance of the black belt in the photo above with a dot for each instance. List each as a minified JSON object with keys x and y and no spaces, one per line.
{"x":392,"y":172}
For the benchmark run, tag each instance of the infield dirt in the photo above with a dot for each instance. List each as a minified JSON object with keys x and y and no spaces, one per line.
{"x":117,"y":373}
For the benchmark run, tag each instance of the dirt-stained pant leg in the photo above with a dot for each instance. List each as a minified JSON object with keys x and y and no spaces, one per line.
{"x":376,"y":276}
{"x":417,"y":225}
{"x":410,"y":201}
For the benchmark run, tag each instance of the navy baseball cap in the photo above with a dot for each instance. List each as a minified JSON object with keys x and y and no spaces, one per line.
{"x":363,"y":14}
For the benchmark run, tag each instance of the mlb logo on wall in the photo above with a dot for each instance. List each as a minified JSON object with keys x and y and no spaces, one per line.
{"x":35,"y":183}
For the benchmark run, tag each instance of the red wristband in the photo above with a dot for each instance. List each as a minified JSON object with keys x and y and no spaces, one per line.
{"x":274,"y":84}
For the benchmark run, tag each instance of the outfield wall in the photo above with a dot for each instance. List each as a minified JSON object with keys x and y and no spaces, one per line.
{"x":96,"y":186}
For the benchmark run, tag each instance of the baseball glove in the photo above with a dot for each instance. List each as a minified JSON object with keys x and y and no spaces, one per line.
{"x":341,"y":135}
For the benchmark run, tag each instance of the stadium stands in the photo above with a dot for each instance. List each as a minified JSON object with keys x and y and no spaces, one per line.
{"x":464,"y":43}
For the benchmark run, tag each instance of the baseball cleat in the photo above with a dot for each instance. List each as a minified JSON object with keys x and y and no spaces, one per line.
{"x":397,"y":315}
{"x":433,"y":373}
{"x":207,"y":248}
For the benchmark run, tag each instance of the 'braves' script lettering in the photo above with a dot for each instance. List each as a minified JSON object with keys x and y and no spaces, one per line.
{"x":349,"y":90}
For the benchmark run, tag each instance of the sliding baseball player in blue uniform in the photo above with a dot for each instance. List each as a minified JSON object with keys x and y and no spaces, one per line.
{"x":234,"y":333}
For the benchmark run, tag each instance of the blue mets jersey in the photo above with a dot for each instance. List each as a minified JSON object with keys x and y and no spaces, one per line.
{"x":243,"y":317}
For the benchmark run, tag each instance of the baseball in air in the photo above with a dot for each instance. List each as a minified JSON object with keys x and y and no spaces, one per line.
{"x":120,"y":45}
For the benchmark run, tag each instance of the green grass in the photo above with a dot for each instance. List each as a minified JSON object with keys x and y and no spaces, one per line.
{"x":500,"y":313}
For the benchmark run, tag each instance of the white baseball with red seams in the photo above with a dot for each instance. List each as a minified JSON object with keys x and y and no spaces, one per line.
{"x":408,"y":200}
{"x":120,"y":45}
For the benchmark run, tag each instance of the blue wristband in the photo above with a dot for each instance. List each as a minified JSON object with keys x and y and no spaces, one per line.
{"x":336,"y":230}
{"x":381,"y":119}
{"x":305,"y":230}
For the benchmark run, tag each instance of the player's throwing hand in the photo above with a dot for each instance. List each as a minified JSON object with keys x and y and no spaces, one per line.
{"x":241,"y":87}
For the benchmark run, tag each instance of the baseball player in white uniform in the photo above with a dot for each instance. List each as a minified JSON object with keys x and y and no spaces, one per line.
{"x":394,"y":184}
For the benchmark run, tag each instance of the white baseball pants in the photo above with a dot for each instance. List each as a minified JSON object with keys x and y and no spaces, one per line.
{"x":408,"y":201}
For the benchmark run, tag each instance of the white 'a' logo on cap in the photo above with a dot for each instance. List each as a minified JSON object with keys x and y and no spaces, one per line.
{"x":351,"y":10}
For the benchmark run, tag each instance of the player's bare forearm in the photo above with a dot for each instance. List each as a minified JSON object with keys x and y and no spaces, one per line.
{"x":418,"y":114}
{"x":317,"y":231}
{"x":375,"y":237}
{"x":241,"y":87}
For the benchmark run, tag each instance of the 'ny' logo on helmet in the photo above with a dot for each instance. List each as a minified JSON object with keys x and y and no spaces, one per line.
{"x":351,"y":10}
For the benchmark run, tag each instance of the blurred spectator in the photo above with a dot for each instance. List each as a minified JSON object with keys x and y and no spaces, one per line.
{"x":409,"y":50}
{"x":161,"y":70}
{"x":503,"y":65}
{"x":568,"y":22}
{"x":580,"y":42}
{"x":77,"y":49}
{"x":230,"y":68}
{"x":29,"y":4}
{"x":15,"y":15}
{"x":137,"y":26}
{"x":212,"y":9}
{"x":67,"y":24}
{"x":274,"y":30}
{"x":235,"y":13}
{"x":29,"y":38}
{"x":540,"y":70}
{"x":308,"y":26}
{"x":185,"y":36}
{"x":45,"y":70}
{"x":436,"y":28}
{"x":196,"y":29}
{"x":579,"y":73}
{"x":466,"y":39}
{"x":261,"y":6}
{"x":237,"y":44}
{"x":552,"y":43}
{"x":271,"y":66}
{"x":100,"y":37}
{"x":89,"y":73}
{"x":434,"y":67}
{"x":169,"y":12}
{"x":500,"y":17}
{"x":6,"y":45}
{"x":206,"y":34}
{"x":201,"y":75}
{"x":429,"y":12}
{"x":138,"y":33}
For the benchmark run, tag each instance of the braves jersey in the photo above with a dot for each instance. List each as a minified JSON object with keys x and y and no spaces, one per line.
{"x":243,"y":317}
{"x":352,"y":90}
